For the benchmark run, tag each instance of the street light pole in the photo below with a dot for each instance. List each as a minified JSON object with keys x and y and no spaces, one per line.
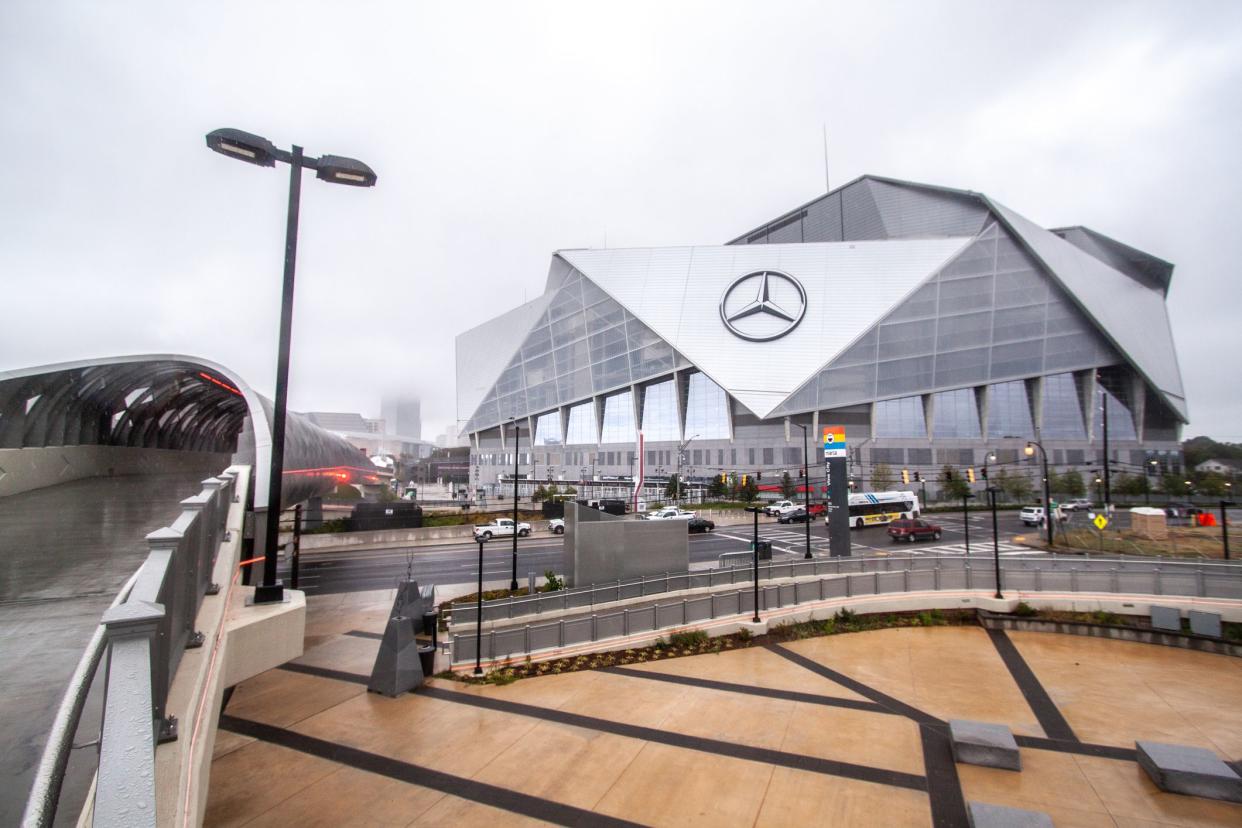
{"x":966,"y":496}
{"x":254,"y":149}
{"x":681,"y":450}
{"x":1225,"y":525}
{"x":478,"y":618}
{"x":513,"y":582}
{"x":806,"y":485}
{"x":1031,"y":445}
{"x":995,"y":541}
{"x":755,"y":546}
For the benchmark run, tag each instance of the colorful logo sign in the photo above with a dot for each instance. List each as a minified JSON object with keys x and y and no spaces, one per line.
{"x":834,"y":441}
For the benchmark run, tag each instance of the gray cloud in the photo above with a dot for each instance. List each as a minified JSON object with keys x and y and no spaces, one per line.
{"x":501,"y":132}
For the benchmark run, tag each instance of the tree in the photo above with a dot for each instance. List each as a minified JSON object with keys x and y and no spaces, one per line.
{"x":955,"y":485}
{"x":539,"y":494}
{"x":1131,"y":485}
{"x":881,"y":477}
{"x":570,"y":490}
{"x":553,"y":491}
{"x":717,"y":489}
{"x":670,"y":489}
{"x":787,"y":486}
{"x":1211,"y":483}
{"x":749,"y":491}
{"x":1174,"y":485}
{"x":1014,"y":486}
{"x":1068,"y":483}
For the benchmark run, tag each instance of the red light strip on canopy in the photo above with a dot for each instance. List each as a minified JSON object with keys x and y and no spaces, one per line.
{"x":223,"y":385}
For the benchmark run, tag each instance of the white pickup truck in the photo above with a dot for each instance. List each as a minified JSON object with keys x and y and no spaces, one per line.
{"x":670,"y":513}
{"x":499,"y":529}
{"x":780,"y":507}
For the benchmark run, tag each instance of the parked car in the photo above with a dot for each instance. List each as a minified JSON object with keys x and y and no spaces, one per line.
{"x":669,"y":513}
{"x":1078,"y":504}
{"x":502,"y":527}
{"x":557,"y":526}
{"x":818,"y":509}
{"x":797,"y":515}
{"x":775,"y":509}
{"x":912,"y":530}
{"x":1034,"y":515}
{"x":698,"y":524}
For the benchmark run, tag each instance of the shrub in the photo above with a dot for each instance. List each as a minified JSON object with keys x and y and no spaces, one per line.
{"x":1025,"y":610}
{"x":689,"y":638}
{"x":932,"y":618}
{"x":844,"y":617}
{"x":1105,"y":617}
{"x":554,"y":583}
{"x":743,"y":634}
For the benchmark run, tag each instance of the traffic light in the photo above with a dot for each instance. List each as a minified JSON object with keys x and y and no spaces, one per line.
{"x":918,"y":477}
{"x":985,"y":472}
{"x":743,"y":480}
{"x":759,"y":476}
{"x":948,"y":475}
{"x":905,"y":476}
{"x":970,"y":474}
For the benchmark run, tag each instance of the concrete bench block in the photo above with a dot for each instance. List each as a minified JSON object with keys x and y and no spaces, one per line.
{"x":1205,"y":623}
{"x":1166,"y":618}
{"x":1189,"y":770}
{"x":980,"y":743}
{"x":983,"y":815}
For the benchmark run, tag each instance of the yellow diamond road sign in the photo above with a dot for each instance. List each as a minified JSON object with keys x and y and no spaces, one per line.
{"x":1100,"y":522}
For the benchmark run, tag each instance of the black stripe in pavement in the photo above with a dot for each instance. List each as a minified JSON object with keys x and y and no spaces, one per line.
{"x":754,"y":754}
{"x":496,"y":797}
{"x":882,"y":699}
{"x":944,"y":789}
{"x":767,"y":692}
{"x":365,"y":634}
{"x":325,"y":672}
{"x":1041,"y":704}
{"x":1080,"y":748}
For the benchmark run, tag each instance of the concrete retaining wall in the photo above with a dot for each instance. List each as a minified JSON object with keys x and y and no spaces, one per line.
{"x":1139,"y":634}
{"x":391,"y":538}
{"x":27,"y":469}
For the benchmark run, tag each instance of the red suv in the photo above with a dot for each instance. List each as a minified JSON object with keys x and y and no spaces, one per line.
{"x":818,"y":509}
{"x":912,"y":530}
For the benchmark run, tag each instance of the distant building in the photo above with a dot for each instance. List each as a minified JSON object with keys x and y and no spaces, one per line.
{"x":402,"y":416}
{"x":370,"y":436}
{"x":1226,"y":467}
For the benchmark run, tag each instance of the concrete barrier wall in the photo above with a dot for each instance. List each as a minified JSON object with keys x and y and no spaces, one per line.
{"x":27,"y":469}
{"x":384,"y":538}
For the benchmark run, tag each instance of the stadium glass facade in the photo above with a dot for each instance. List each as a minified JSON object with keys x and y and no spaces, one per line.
{"x":935,"y":325}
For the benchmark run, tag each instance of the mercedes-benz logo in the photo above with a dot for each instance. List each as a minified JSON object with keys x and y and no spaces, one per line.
{"x":763,"y":305}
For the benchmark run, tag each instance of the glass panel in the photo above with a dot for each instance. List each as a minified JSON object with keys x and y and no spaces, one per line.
{"x":955,"y":414}
{"x":904,"y":375}
{"x":540,"y":369}
{"x":573,"y":387}
{"x":907,"y":338}
{"x":604,"y":315}
{"x":538,"y":342}
{"x":651,"y":361}
{"x":1017,"y":359}
{"x":611,"y":372}
{"x":568,"y":301}
{"x":1025,"y":322}
{"x":548,"y":429}
{"x":571,"y":357}
{"x":660,"y":412}
{"x":962,"y":367}
{"x":920,"y":305}
{"x":619,"y":419}
{"x":966,"y":294}
{"x":569,"y":328}
{"x":1120,"y":420}
{"x":542,"y":396}
{"x":900,"y":418}
{"x":607,"y":343}
{"x":1009,"y":413}
{"x":1062,"y":417}
{"x":707,"y":415}
{"x":968,"y":330}
{"x":581,"y":429}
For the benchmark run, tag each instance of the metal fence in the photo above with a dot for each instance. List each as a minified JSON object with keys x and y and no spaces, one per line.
{"x":144,"y":635}
{"x":820,"y":580}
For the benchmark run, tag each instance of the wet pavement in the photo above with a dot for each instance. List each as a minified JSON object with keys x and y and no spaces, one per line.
{"x":65,"y":551}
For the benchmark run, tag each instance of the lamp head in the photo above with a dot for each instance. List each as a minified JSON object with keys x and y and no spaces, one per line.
{"x":243,"y":146}
{"x":337,"y":169}
{"x":1029,"y":451}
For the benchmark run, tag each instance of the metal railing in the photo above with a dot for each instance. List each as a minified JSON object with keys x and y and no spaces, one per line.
{"x":144,"y":633}
{"x":820,"y":580}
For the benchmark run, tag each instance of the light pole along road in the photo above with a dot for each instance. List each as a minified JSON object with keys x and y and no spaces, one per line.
{"x":335,"y":169}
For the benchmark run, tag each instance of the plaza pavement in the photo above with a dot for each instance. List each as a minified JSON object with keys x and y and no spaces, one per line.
{"x":839,"y":730}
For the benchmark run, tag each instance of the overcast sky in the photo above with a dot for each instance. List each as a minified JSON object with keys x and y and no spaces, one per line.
{"x":502,"y":132}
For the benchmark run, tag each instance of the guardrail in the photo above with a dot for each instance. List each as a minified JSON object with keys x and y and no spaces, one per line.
{"x":144,"y":633}
{"x":837,"y":578}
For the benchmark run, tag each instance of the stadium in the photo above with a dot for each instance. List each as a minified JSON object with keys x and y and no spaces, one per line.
{"x":937,"y":326}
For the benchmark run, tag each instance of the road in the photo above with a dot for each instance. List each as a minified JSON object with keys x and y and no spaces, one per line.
{"x":335,"y":572}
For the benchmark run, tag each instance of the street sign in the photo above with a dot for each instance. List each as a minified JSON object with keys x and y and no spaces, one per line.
{"x":834,"y":442}
{"x":1100,"y":522}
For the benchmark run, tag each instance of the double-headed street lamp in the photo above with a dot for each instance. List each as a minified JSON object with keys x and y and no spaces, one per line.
{"x":335,"y":169}
{"x":516,"y":434}
{"x":1031,"y":445}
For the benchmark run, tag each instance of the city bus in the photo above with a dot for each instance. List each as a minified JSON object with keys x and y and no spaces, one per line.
{"x":878,"y":508}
